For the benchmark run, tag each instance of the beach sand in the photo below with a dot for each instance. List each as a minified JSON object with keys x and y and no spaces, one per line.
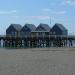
{"x":37,"y":61}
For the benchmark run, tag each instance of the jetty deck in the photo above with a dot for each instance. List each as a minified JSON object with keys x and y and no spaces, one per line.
{"x":38,"y":41}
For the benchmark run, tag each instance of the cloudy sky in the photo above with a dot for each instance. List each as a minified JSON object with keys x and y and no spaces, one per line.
{"x":37,"y":11}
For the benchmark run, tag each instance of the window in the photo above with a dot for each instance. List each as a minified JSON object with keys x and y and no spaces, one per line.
{"x":46,"y":33}
{"x":14,"y":33}
{"x":50,"y":32}
{"x":53,"y":32}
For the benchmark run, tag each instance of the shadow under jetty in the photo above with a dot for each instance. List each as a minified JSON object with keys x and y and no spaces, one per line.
{"x":37,"y":42}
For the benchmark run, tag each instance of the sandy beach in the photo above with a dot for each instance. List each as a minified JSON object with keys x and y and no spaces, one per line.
{"x":37,"y":61}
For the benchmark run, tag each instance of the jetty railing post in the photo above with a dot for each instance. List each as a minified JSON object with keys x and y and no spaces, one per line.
{"x":49,"y":40}
{"x":10,"y":43}
{"x":40,"y":40}
{"x":66,"y":41}
{"x":0,"y":42}
{"x":32,"y":41}
{"x":71,"y":42}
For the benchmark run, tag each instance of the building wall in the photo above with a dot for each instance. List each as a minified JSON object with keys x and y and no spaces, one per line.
{"x":55,"y":31}
{"x":25,"y":31}
{"x":11,"y":31}
{"x":40,"y":31}
{"x":65,"y":32}
{"x":58,"y":29}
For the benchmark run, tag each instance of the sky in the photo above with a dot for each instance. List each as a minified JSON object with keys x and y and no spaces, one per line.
{"x":36,"y":12}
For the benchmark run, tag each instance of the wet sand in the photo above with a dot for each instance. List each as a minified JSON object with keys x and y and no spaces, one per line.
{"x":39,"y":61}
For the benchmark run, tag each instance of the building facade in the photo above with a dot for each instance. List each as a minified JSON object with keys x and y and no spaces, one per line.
{"x":32,"y":30}
{"x":13,"y":30}
{"x":42,"y":30}
{"x":27,"y":29}
{"x":58,"y":29}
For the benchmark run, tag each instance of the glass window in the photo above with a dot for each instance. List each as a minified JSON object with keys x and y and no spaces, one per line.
{"x":53,"y":32}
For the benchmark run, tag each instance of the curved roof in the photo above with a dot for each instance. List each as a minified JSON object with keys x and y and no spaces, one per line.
{"x":18,"y":27}
{"x":44,"y":26}
{"x":60,"y":26}
{"x":32,"y":27}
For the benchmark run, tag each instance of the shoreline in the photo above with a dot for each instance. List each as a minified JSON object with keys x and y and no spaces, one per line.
{"x":44,"y":49}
